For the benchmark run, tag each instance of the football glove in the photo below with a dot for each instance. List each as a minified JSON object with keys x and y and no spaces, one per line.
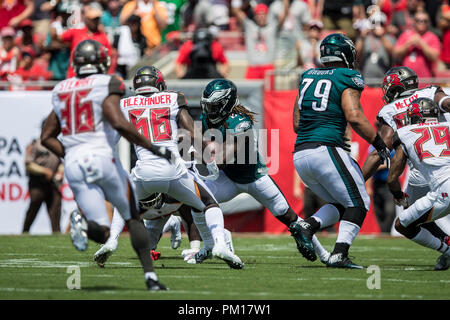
{"x":401,"y":199}
{"x":347,"y":146}
{"x":382,"y":149}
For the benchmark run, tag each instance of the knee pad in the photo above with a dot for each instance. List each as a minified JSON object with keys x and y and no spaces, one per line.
{"x":355,"y":215}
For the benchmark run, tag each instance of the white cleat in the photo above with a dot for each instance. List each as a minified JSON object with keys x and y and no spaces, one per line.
{"x":199,"y":257}
{"x":105,"y":252}
{"x":187,"y":253}
{"x":175,"y":229}
{"x":78,"y":230}
{"x":222,"y":252}
{"x":228,"y":239}
{"x":324,"y":257}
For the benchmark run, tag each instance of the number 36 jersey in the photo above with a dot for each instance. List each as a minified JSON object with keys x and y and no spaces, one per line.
{"x":321,"y":116}
{"x":155,"y":117}
{"x":77,"y":103}
{"x":427,"y":146}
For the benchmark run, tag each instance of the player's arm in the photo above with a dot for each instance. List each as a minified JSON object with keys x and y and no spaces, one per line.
{"x":112,"y":113}
{"x":442,"y":100}
{"x":397,"y":166}
{"x":373,"y":160}
{"x":354,"y":114}
{"x":49,"y":134}
{"x":296,"y":115}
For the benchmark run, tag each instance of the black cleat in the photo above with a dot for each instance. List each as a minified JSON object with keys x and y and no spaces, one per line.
{"x":153,"y":285}
{"x":302,"y":233}
{"x":338,"y":260}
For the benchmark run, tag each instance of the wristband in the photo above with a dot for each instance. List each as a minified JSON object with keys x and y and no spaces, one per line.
{"x":378,"y":143}
{"x":398,"y":194}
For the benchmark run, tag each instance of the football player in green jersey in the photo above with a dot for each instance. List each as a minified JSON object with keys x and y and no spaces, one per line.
{"x":246,"y":173}
{"x":328,"y":99}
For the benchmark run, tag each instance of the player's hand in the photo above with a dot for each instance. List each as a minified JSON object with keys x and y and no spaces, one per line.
{"x":213,"y":170}
{"x":162,"y":152}
{"x":402,"y":201}
{"x":347,"y":146}
{"x":383,"y":151}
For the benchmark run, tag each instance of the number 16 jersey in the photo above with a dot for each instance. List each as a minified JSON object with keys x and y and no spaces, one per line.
{"x":155,"y":117}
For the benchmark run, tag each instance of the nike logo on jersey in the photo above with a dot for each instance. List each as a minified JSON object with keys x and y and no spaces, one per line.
{"x":404,"y":103}
{"x":146,"y":101}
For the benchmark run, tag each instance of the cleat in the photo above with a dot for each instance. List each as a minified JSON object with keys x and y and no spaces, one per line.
{"x":442,"y":263}
{"x":228,"y":240}
{"x":199,"y":256}
{"x":338,"y":260}
{"x":78,"y":230}
{"x":188,"y":253}
{"x":447,"y":240}
{"x":325,"y":257}
{"x":102,"y":255}
{"x":153,"y":285}
{"x":222,"y":252}
{"x":301,"y":232}
{"x":175,"y":238}
{"x":155,"y":255}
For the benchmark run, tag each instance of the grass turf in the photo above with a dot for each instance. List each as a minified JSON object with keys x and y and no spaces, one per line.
{"x":35,"y":267}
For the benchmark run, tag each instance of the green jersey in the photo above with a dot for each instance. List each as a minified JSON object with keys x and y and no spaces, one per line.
{"x":252,"y":167}
{"x":322,"y":119}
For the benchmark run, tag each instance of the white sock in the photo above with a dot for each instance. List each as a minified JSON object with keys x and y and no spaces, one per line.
{"x":195,"y":244}
{"x":200,"y":223}
{"x":117,"y":225}
{"x":215,"y":223}
{"x":327,"y":215}
{"x":347,"y":232}
{"x":426,"y":239}
{"x":151,"y":275}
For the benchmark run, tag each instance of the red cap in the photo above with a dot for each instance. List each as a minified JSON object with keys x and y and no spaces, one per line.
{"x":261,"y":8}
{"x":8,"y":32}
{"x":26,"y":23}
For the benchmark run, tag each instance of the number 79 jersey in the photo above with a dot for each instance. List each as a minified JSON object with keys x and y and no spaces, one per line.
{"x":77,"y":103}
{"x":321,"y":116}
{"x":427,"y":146}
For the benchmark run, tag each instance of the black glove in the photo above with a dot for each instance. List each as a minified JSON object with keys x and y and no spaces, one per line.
{"x":347,"y":146}
{"x":382,"y":149}
{"x":162,"y":152}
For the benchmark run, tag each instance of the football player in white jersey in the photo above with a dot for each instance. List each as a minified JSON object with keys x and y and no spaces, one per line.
{"x":400,"y":87}
{"x":86,"y":112}
{"x":425,"y":142}
{"x":158,"y":114}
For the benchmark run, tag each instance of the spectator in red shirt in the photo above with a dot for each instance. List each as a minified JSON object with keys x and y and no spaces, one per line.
{"x":418,"y":48}
{"x":91,"y":17}
{"x":444,"y":25}
{"x":29,"y":70}
{"x":29,"y":39}
{"x":198,"y":58}
{"x":9,"y":53}
{"x":12,"y":12}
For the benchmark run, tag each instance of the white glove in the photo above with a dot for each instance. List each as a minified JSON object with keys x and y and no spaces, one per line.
{"x":213,"y":170}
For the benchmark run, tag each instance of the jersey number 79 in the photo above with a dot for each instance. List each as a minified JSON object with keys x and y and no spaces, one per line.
{"x":322,"y":91}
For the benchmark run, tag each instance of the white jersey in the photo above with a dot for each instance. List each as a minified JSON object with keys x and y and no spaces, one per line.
{"x":77,"y":103}
{"x":427,"y":146}
{"x":155,"y":117}
{"x":394,"y":115}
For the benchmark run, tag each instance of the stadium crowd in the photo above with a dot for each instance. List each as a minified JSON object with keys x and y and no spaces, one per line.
{"x":38,"y":36}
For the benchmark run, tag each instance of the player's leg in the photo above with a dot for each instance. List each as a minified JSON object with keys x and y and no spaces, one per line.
{"x":415,"y":192}
{"x":335,"y":171}
{"x":193,"y":192}
{"x":192,"y":231}
{"x":53,"y":202}
{"x":155,"y":229}
{"x":37,"y":196}
{"x":121,"y":194}
{"x":429,"y":208}
{"x":267,"y":192}
{"x":173,"y":224}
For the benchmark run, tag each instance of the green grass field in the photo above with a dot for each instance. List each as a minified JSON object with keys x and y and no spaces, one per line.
{"x":35,"y":267}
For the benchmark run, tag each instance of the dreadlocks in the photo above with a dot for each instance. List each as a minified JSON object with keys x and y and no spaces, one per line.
{"x":243,"y":110}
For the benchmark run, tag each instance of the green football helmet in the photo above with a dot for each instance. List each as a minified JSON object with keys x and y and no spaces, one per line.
{"x":337,"y":47}
{"x":218,"y":99}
